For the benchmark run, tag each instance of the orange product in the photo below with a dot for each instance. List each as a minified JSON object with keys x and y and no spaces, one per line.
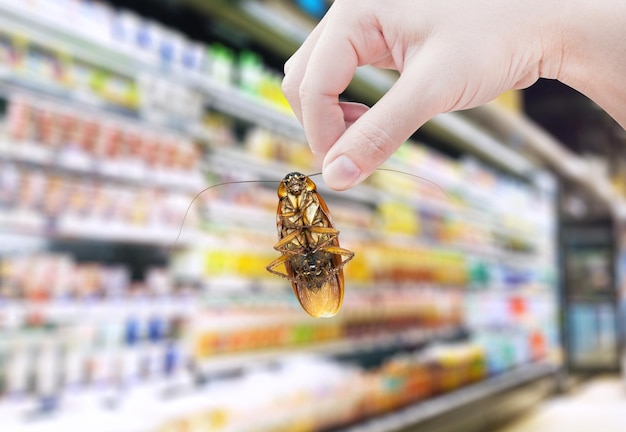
{"x":89,"y":138}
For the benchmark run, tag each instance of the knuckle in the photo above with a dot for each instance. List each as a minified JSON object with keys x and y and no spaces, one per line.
{"x":305,"y":89}
{"x":375,"y":139}
{"x":289,"y":86}
{"x":287,"y":65}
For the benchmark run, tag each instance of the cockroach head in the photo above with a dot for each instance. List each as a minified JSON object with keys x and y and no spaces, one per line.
{"x":295,"y":182}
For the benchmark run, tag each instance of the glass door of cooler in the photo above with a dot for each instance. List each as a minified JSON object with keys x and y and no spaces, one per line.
{"x":620,"y":263}
{"x":590,"y":298}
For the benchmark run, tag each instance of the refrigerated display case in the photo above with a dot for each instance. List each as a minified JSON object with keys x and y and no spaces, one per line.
{"x":591,"y":305}
{"x":621,"y":295}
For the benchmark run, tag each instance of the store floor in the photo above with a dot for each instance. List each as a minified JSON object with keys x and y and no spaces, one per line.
{"x":598,"y":405}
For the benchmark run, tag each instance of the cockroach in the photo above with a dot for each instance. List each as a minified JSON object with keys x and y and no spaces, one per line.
{"x":309,"y":247}
{"x":308,"y":242}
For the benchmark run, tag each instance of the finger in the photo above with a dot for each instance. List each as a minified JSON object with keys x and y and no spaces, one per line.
{"x":352,"y":111}
{"x":378,"y":132}
{"x":330,"y":69}
{"x":295,"y":67}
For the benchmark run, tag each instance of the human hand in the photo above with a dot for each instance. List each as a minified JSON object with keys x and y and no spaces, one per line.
{"x":451,"y":55}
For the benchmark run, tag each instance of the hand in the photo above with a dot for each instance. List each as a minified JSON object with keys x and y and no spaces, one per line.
{"x":451,"y":55}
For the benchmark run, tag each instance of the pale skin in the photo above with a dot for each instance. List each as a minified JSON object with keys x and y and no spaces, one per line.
{"x":451,"y":55}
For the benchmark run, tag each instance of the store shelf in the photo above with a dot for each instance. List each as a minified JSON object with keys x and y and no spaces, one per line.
{"x":238,"y":104}
{"x":363,"y":345}
{"x":75,"y":163}
{"x":23,"y":19}
{"x":68,"y":310}
{"x":431,"y":408}
{"x":106,"y":53}
{"x":546,"y":148}
{"x":75,"y":228}
{"x":12,"y":84}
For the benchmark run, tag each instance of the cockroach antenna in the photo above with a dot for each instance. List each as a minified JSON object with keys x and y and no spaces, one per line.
{"x":417,"y":177}
{"x":193,"y":200}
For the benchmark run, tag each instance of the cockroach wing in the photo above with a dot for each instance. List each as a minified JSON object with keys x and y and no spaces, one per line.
{"x":324,"y":302}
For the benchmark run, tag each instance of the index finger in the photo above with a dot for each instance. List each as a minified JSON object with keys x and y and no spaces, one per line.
{"x":295,"y":67}
{"x":330,"y":69}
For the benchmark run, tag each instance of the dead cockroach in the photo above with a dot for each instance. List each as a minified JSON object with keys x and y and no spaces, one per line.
{"x":309,"y":244}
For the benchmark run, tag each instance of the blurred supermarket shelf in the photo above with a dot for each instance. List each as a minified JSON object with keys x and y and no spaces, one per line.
{"x":14,"y":84}
{"x":478,"y":142}
{"x":102,"y":50}
{"x":67,"y":309}
{"x":68,"y":227}
{"x":80,"y":163}
{"x":231,"y":362}
{"x":34,"y":23}
{"x":552,"y":152}
{"x":434,"y":407}
{"x":236,"y":103}
{"x":14,"y":313}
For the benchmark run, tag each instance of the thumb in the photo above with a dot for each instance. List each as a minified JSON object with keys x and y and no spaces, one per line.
{"x":378,"y":132}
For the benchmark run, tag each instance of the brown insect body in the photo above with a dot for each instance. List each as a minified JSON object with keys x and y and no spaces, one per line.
{"x":309,"y":247}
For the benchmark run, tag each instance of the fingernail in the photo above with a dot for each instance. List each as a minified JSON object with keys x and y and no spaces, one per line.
{"x":341,"y":173}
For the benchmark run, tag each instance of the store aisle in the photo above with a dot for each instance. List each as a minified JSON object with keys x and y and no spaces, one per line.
{"x":597,"y":405}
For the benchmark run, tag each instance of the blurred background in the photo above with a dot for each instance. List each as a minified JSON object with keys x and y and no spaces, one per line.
{"x":464,"y":306}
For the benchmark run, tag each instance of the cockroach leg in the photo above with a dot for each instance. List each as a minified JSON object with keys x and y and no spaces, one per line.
{"x":336,"y":250}
{"x":278,"y":261}
{"x":280,"y":245}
